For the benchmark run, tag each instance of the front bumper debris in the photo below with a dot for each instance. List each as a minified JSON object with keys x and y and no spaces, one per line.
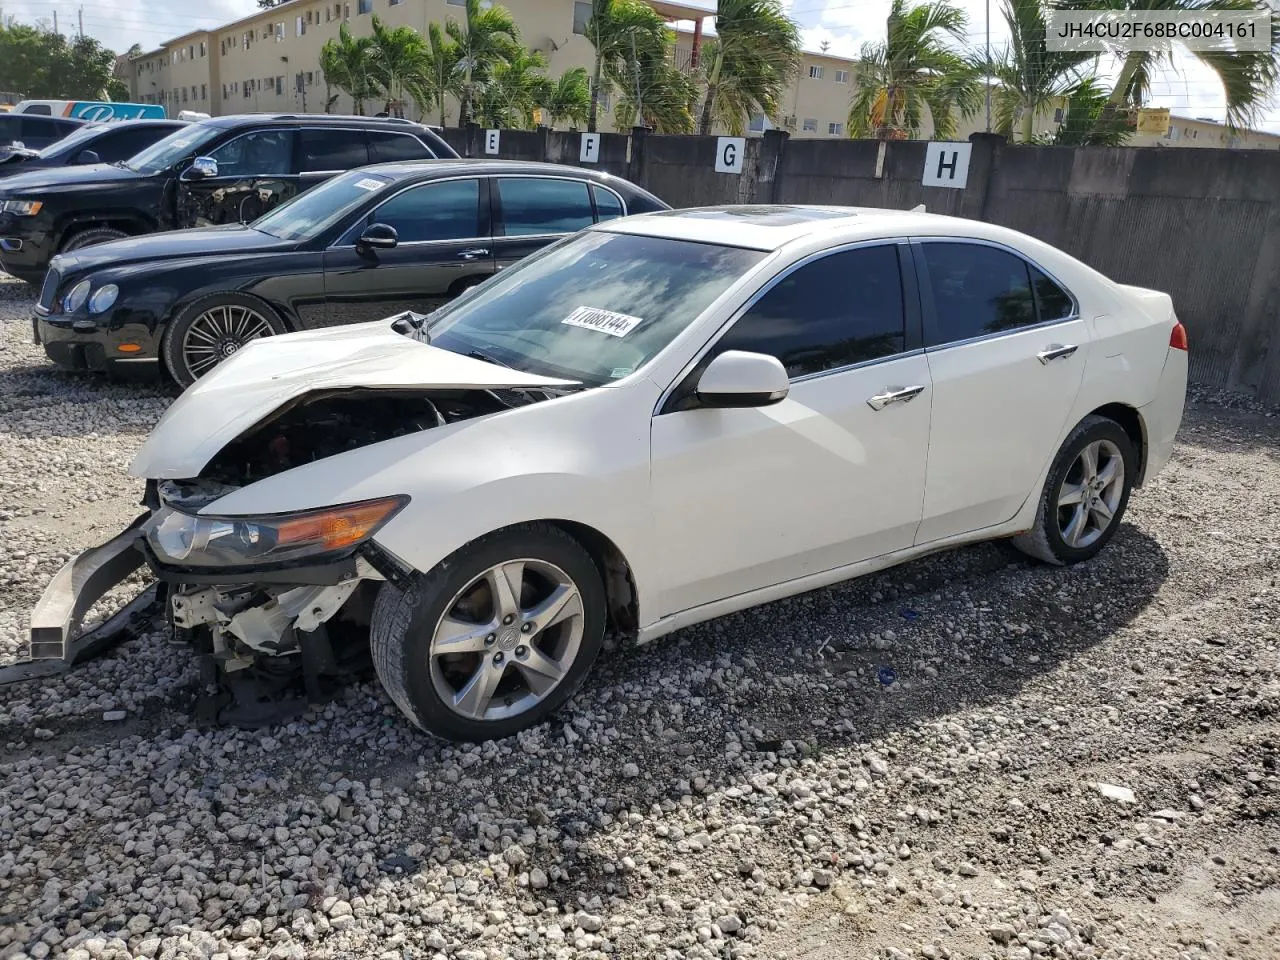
{"x":55,"y":642}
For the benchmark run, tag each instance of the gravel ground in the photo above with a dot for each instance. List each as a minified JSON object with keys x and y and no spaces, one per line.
{"x":970,"y":756}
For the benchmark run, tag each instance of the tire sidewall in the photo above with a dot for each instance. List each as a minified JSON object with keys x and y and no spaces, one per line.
{"x":74,"y":241}
{"x":455,"y":574}
{"x":171,"y":342}
{"x":1087,"y":434}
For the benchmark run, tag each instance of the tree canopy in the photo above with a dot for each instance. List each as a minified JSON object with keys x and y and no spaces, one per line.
{"x":43,"y":65}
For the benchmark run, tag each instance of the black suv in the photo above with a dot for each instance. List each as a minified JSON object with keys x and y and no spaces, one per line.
{"x":34,"y":132}
{"x":92,"y":143}
{"x":224,"y":170}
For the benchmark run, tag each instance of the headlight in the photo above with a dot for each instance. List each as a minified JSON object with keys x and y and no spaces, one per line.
{"x":198,"y":541}
{"x":21,"y":208}
{"x":102,"y":298}
{"x":74,"y":300}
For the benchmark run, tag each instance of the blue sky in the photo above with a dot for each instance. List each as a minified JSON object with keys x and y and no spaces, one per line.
{"x":1186,"y":87}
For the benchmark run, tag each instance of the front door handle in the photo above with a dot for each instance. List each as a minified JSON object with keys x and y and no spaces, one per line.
{"x":1056,"y":353}
{"x":882,"y":400}
{"x":473,"y":254}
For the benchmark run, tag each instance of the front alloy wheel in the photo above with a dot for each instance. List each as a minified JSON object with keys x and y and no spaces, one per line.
{"x":495,"y":638}
{"x":214,"y":329}
{"x":507,"y":640}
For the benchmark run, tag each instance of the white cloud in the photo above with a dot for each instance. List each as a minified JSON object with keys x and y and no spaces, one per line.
{"x":118,"y":24}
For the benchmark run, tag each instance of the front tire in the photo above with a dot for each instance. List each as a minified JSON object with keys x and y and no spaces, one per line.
{"x":495,"y":638}
{"x":1085,"y":494}
{"x":90,"y":238}
{"x":213,"y":329}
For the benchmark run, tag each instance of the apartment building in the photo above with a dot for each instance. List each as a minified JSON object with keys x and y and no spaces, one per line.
{"x":1200,"y":132}
{"x":270,"y":61}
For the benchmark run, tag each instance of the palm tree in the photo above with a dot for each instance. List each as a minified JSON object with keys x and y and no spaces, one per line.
{"x":749,"y":64}
{"x":347,"y":63}
{"x":619,"y":30}
{"x":1028,"y":77}
{"x":1084,"y":124}
{"x":485,"y":39}
{"x":667,"y":97}
{"x":569,"y":98}
{"x":913,"y":69}
{"x":398,"y":57}
{"x":516,"y":87}
{"x":1248,"y":78}
{"x":440,"y":75}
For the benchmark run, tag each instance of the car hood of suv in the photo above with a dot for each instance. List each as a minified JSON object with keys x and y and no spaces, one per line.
{"x":170,"y":245}
{"x":275,"y":371}
{"x":49,"y":180}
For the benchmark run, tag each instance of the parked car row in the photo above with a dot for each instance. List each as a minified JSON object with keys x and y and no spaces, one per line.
{"x":363,"y":245}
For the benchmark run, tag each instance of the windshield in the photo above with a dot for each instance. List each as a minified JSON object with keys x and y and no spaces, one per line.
{"x":178,"y":145}
{"x":71,"y":141}
{"x":593,"y":308}
{"x":308,"y":213}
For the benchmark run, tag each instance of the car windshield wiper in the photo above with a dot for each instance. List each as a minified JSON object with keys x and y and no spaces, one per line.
{"x":477,"y":355}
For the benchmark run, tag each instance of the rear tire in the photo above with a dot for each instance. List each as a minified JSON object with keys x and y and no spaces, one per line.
{"x":467,"y":659}
{"x":92,"y":237}
{"x":1085,"y":494}
{"x":213,"y":329}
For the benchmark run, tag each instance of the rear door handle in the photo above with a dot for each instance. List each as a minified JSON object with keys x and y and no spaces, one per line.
{"x":1056,"y":353}
{"x":473,"y":254}
{"x":882,"y":400}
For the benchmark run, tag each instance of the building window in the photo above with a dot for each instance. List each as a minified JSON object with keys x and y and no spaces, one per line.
{"x":605,"y":100}
{"x":757,"y":123}
{"x":299,"y":27}
{"x":815,"y":72}
{"x":395,"y":3}
{"x":842,"y":76}
{"x":279,"y":86}
{"x":1058,"y":114}
{"x":364,"y":6}
{"x":204,"y":49}
{"x":204,"y":91}
{"x":835,"y":129}
{"x":810,"y":125}
{"x":581,"y":15}
{"x":311,"y":78}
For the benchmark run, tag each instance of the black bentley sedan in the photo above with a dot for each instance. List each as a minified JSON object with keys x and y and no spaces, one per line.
{"x":363,"y":245}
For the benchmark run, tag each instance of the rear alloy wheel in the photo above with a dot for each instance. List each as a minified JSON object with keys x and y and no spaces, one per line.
{"x":213,"y":330}
{"x":495,"y":638}
{"x":1085,"y":495}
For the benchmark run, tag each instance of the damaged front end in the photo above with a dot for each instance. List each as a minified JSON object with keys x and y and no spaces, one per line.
{"x":276,"y":605}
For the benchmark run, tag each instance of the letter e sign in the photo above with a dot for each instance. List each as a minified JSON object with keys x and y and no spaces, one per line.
{"x":491,"y":141}
{"x":946,"y":165}
{"x":729,"y":154}
{"x":590,"y":152}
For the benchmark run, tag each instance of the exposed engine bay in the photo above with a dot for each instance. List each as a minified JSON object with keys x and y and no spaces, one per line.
{"x":320,"y":425}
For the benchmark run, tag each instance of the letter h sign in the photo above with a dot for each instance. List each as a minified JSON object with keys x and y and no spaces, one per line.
{"x":946,"y":165}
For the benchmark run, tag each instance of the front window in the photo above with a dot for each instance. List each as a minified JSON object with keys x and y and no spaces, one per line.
{"x":176,"y":147}
{"x":308,"y":213}
{"x":592,"y":308}
{"x":70,"y":144}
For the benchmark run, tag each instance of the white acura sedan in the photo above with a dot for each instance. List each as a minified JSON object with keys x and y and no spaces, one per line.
{"x":653,"y":422}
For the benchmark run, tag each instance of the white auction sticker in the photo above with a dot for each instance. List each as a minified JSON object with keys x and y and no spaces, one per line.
{"x":605,"y":321}
{"x":369,"y":184}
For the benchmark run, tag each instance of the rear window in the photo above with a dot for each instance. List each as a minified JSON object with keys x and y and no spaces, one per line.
{"x":389,"y":147}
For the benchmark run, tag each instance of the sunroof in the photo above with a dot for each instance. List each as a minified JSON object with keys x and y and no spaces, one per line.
{"x":765,"y":216}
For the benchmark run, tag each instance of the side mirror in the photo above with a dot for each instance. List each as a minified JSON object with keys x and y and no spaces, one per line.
{"x":737,"y":378}
{"x":202,"y":168}
{"x":377,"y":236}
{"x":87,"y":157}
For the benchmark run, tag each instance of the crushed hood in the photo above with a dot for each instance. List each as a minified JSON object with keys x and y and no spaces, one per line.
{"x":272,"y":372}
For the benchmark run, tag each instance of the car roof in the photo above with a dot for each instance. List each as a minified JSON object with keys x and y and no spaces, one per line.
{"x":317,"y":119}
{"x":772,"y":226}
{"x":449,"y":166}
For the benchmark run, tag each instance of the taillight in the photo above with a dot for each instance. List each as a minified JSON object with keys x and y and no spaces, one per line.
{"x":1178,"y":338}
